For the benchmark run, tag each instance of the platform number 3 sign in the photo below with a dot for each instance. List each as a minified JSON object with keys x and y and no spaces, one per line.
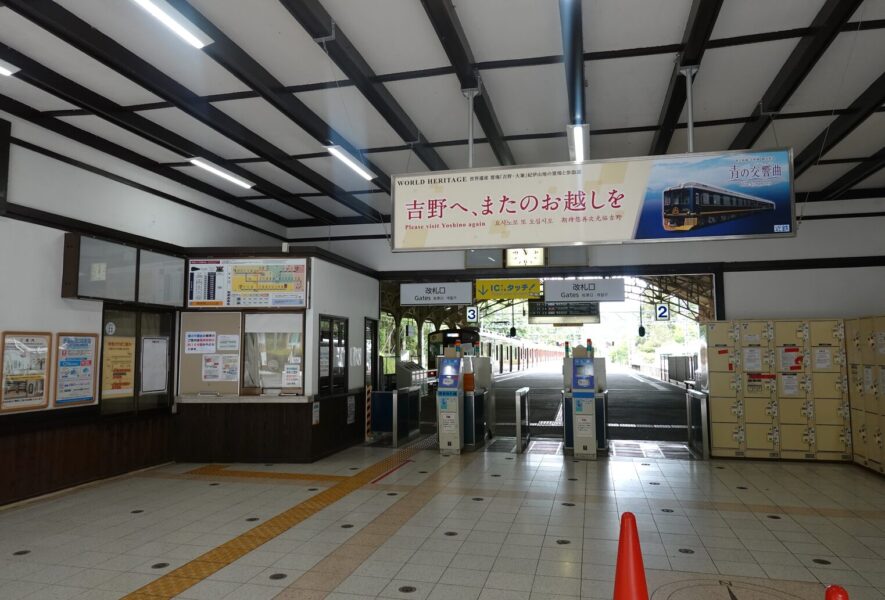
{"x":472,"y":314}
{"x":662,"y":312}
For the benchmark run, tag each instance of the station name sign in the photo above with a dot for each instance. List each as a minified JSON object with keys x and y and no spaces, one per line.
{"x":446,"y":293}
{"x":675,"y":197}
{"x":584,"y":290}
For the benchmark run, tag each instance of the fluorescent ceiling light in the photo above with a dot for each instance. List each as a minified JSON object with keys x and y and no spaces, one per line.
{"x":342,"y":155}
{"x":199,"y":162}
{"x":578,"y":140}
{"x":172,"y":19}
{"x":8,"y":69}
{"x":579,"y":148}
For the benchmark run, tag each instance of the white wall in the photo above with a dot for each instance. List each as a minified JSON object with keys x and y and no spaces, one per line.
{"x":810,"y":293}
{"x":339,"y":292}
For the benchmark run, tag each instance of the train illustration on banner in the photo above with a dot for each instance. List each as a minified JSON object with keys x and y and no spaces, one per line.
{"x":692,"y":205}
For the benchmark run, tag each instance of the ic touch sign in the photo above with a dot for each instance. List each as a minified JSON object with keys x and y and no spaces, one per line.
{"x":446,"y":293}
{"x":584,"y":290}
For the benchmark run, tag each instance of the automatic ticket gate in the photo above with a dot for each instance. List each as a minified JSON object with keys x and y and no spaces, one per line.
{"x":583,"y":406}
{"x":461,"y":414}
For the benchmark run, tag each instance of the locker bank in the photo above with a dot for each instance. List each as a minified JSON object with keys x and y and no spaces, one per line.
{"x":548,"y":299}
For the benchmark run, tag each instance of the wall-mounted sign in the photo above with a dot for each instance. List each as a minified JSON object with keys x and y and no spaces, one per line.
{"x":154,"y":365}
{"x":563,"y":313}
{"x":446,"y":293}
{"x":471,"y":315}
{"x":584,"y":290}
{"x":118,"y":367}
{"x":690,"y":196}
{"x":507,"y":289}
{"x":247,"y":283}
{"x":25,"y":360}
{"x":662,"y":312}
{"x":75,"y":369}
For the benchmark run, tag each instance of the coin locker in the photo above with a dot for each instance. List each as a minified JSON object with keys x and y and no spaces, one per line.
{"x":756,"y":333}
{"x":829,"y":411}
{"x":757,"y":385}
{"x":879,"y":338}
{"x":855,"y":387}
{"x":727,"y":435}
{"x":724,"y":384}
{"x":793,"y":410}
{"x":867,"y":341}
{"x":756,"y":359}
{"x":760,"y":410}
{"x":725,"y":410}
{"x":790,"y":358}
{"x":874,"y":440}
{"x":722,"y":333}
{"x":791,"y":385}
{"x":722,"y":359}
{"x":761,"y":436}
{"x":828,"y":385}
{"x":859,"y":436}
{"x":790,"y":333}
{"x":826,"y":333}
{"x":826,"y":359}
{"x":832,"y":438}
{"x":852,"y":341}
{"x":795,"y":438}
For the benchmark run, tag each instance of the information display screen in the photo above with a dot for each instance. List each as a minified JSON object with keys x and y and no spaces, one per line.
{"x":247,"y":283}
{"x":582,"y":373}
{"x":449,"y":369}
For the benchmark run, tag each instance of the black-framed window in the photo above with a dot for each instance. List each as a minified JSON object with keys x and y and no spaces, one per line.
{"x":332,"y":355}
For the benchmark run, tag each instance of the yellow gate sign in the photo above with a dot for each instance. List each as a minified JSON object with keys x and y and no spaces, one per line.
{"x":507,"y":289}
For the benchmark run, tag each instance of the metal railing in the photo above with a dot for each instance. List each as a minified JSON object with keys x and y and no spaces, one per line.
{"x":523,"y":432}
{"x":696,"y":408}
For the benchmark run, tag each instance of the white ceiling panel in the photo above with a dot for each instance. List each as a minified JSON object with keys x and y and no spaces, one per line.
{"x":535,"y":152}
{"x":706,"y":139}
{"x":456,"y":156}
{"x":376,"y":30}
{"x":864,"y":141}
{"x":732,"y":80}
{"x":620,"y":145}
{"x":507,"y":29}
{"x":529,"y":99}
{"x":745,"y":17}
{"x":612,"y":24}
{"x":132,"y":27}
{"x":194,"y":130}
{"x":870,"y":10}
{"x":281,"y":178}
{"x":338,"y":173}
{"x":817,"y":178}
{"x":260,"y":116}
{"x":273,"y":37}
{"x":399,"y":162}
{"x":792,"y":133}
{"x":436,"y":105}
{"x":380,"y":201}
{"x":852,"y":62}
{"x":214,"y":180}
{"x":626,"y":92}
{"x":40,"y":45}
{"x":876,"y":180}
{"x":118,"y":135}
{"x":33,"y":96}
{"x":333,"y":206}
{"x":275,"y":206}
{"x":349,"y":113}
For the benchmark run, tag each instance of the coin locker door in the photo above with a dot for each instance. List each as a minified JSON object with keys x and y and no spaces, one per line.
{"x":828,"y":411}
{"x":793,"y":410}
{"x":756,"y":385}
{"x":724,"y":410}
{"x":827,"y":385}
{"x":858,"y":433}
{"x":790,"y":333}
{"x":791,"y":385}
{"x":826,"y":359}
{"x":760,"y":436}
{"x":721,"y":360}
{"x":794,"y":438}
{"x":867,"y":341}
{"x":874,"y":439}
{"x":855,"y":387}
{"x":724,"y":384}
{"x":721,"y":333}
{"x":756,"y":359}
{"x":725,"y":435}
{"x":826,"y":333}
{"x":852,"y":341}
{"x":759,"y":410}
{"x":869,"y":375}
{"x":790,"y":359}
{"x":879,"y":339}
{"x":830,"y":438}
{"x":756,"y":333}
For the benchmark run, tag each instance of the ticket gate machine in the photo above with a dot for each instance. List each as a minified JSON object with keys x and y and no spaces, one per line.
{"x":450,"y":405}
{"x":461,"y":409}
{"x":580,"y":406}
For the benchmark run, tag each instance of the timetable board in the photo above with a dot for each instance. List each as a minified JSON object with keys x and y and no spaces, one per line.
{"x":247,"y":283}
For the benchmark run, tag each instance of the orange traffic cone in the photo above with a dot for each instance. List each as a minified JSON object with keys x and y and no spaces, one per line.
{"x":630,"y":573}
{"x":835,"y":592}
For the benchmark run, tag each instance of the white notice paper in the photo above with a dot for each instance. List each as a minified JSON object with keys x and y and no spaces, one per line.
{"x":449,"y":425}
{"x":227,"y":343}
{"x":790,"y":359}
{"x":230,"y":367}
{"x":823,"y":358}
{"x":790,"y":385}
{"x":316,"y":413}
{"x":212,"y":367}
{"x":154,"y":364}
{"x":752,"y":338}
{"x":292,"y":376}
{"x":199,"y":342}
{"x":584,"y":425}
{"x":752,"y":359}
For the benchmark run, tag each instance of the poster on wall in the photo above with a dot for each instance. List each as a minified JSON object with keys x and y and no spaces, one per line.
{"x":154,"y":365}
{"x":26,"y":360}
{"x":75,"y":369}
{"x":199,"y":342}
{"x":221,"y":367}
{"x":118,"y":367}
{"x":247,"y":283}
{"x":676,"y":197}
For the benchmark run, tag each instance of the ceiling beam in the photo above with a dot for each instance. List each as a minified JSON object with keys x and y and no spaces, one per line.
{"x":572,"y":29}
{"x":701,"y":20}
{"x":79,"y":34}
{"x":863,"y":106}
{"x":454,"y":41}
{"x":869,"y":167}
{"x":320,"y":25}
{"x":53,"y":83}
{"x":825,"y":27}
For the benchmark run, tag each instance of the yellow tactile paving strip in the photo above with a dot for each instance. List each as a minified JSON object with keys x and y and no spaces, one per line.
{"x":190,"y":574}
{"x":226,"y":471}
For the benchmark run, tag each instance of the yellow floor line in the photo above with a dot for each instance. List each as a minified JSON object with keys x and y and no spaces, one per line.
{"x":195,"y":571}
{"x":225,"y":471}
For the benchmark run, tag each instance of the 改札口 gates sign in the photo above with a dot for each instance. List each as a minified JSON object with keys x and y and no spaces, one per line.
{"x":693,"y":196}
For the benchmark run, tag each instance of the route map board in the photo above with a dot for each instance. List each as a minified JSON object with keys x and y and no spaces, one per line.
{"x":247,"y":283}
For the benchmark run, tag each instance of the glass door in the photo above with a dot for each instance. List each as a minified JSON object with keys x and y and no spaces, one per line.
{"x":371,"y":353}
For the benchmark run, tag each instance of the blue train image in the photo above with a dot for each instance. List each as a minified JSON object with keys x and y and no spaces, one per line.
{"x":692,"y":205}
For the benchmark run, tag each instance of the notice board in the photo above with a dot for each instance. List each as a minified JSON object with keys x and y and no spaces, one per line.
{"x":247,"y":283}
{"x":212,"y":366}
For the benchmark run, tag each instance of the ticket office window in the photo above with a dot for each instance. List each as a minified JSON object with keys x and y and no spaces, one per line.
{"x":273,"y":354}
{"x":332,"y":356}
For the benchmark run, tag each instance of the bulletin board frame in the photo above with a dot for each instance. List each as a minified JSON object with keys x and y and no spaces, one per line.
{"x":47,"y":371}
{"x":95,"y":369}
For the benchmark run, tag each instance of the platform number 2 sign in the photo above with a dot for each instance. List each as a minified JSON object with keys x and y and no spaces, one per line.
{"x":472,"y":314}
{"x":662,"y":312}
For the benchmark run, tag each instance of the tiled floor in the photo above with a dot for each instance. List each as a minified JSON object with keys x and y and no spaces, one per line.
{"x":484,"y":525}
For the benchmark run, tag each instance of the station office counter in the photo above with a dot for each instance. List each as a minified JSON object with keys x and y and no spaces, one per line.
{"x":266,"y":428}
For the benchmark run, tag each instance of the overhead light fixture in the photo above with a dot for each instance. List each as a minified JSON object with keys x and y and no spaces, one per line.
{"x":206,"y":165}
{"x":171,"y":18}
{"x":7,"y":69}
{"x":578,"y":142}
{"x":345,"y":157}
